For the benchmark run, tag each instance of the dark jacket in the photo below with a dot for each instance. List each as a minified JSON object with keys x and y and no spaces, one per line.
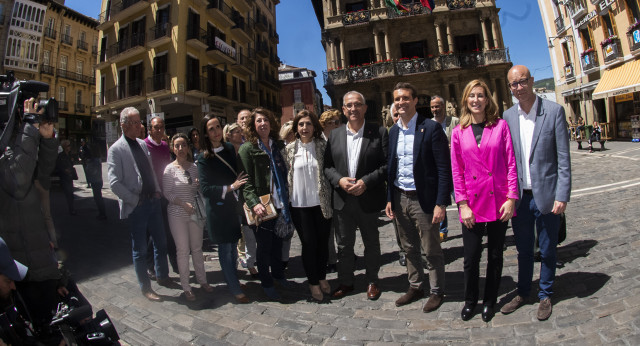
{"x":431,"y":164}
{"x":223,"y":220}
{"x":256,"y":163}
{"x":372,"y":166}
{"x":64,"y":167}
{"x":22,"y":223}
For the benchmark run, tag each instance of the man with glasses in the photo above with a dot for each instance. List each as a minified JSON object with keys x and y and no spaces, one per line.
{"x":355,"y":164}
{"x":132,"y":179}
{"x":161,"y":157}
{"x":541,"y":146}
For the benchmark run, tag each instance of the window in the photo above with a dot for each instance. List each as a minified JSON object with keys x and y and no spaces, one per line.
{"x":193,"y":65}
{"x":67,"y":30}
{"x":193,"y":26}
{"x":586,"y":36}
{"x":83,"y":36}
{"x":63,"y":62}
{"x":62,"y":94}
{"x":411,"y":49}
{"x":356,"y":6}
{"x":633,"y":11}
{"x":45,"y":57}
{"x":160,"y":72}
{"x":79,"y":67}
{"x":297,"y":95}
{"x":565,"y":53}
{"x":78,"y":97}
{"x":51,"y":24}
{"x":608,"y":24}
{"x":361,"y":56}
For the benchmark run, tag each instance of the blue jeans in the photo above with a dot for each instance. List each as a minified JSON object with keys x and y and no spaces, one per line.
{"x":228,"y":255}
{"x":444,"y":225}
{"x":528,"y":220}
{"x":148,"y":216}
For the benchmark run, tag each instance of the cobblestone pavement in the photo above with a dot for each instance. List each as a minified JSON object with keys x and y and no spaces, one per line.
{"x":597,"y":298}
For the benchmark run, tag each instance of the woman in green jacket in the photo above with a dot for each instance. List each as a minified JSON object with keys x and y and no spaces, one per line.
{"x":263,"y":161}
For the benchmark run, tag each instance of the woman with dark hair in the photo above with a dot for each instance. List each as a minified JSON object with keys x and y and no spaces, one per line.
{"x":486,"y":186}
{"x":310,"y":195}
{"x":194,"y":137}
{"x":180,"y":185}
{"x":219,"y":183}
{"x":262,"y":159}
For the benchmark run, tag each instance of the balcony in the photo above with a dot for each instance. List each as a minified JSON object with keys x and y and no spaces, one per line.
{"x":83,"y":45}
{"x":415,"y":9}
{"x":217,"y":90}
{"x":47,"y":69}
{"x":240,"y":30}
{"x":244,"y":65}
{"x":611,"y":50}
{"x":159,"y":35}
{"x":66,"y":39}
{"x":416,"y":65}
{"x":262,"y":48}
{"x":262,"y":24}
{"x":50,"y":33}
{"x":94,"y":50}
{"x":634,"y":40}
{"x":127,"y":47}
{"x":122,"y":91}
{"x":559,"y":24}
{"x":197,"y":38}
{"x":589,"y":61}
{"x":355,"y":18}
{"x":125,"y":8}
{"x":577,"y":9}
{"x":159,"y":84}
{"x":63,"y":105}
{"x":569,"y":73}
{"x":274,"y":37}
{"x":80,"y":108}
{"x":274,"y":60}
{"x":220,"y":11}
{"x":217,"y":48}
{"x":269,"y":81}
{"x":196,"y":86}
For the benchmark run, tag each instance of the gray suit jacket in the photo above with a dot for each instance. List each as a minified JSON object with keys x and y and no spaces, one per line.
{"x":124,"y":177}
{"x":549,"y":163}
{"x":451,"y":123}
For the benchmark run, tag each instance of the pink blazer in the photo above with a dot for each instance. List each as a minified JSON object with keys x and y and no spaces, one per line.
{"x":485,"y":176}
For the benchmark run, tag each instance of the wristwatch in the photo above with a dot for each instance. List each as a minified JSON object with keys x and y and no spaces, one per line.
{"x":442,"y":206}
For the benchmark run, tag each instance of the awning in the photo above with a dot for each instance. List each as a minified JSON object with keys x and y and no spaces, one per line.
{"x":618,"y":81}
{"x":583,"y":88}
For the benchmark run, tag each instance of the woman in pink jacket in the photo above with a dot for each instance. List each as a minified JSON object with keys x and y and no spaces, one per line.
{"x":485,"y":184}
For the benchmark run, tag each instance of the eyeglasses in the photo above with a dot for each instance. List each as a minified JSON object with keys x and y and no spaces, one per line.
{"x":353,"y":105}
{"x":189,"y":181}
{"x":333,"y":122}
{"x":522,"y":83}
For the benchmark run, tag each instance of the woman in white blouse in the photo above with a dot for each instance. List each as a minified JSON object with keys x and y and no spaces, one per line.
{"x":309,"y":193}
{"x":180,"y":184}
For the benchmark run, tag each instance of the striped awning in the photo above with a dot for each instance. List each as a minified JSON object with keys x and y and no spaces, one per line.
{"x":621,"y":80}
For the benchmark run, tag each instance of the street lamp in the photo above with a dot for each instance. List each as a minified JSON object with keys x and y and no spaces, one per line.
{"x":565,"y":37}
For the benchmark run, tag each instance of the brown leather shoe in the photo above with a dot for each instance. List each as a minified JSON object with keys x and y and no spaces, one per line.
{"x":411,"y":296}
{"x":342,"y":291}
{"x":513,"y":305}
{"x":373,"y":292}
{"x":433,"y":303}
{"x":151,"y":295}
{"x":544,"y":310}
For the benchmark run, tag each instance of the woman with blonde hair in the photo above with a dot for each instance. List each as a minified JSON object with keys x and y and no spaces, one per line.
{"x":232,"y":133}
{"x":329,"y":120}
{"x":485,"y":182}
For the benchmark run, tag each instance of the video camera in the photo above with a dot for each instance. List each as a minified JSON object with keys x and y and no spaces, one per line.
{"x":13,"y":93}
{"x":75,"y":323}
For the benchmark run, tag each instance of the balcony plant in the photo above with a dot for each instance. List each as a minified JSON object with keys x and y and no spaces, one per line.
{"x":567,"y":64}
{"x":446,"y":53}
{"x":633,"y":27}
{"x":586,"y":52}
{"x":609,"y":40}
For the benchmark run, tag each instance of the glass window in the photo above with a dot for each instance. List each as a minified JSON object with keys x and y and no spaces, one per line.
{"x":45,"y":57}
{"x":634,"y":11}
{"x":62,"y":94}
{"x":63,"y":62}
{"x":79,"y":66}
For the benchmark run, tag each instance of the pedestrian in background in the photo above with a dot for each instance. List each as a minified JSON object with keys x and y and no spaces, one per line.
{"x":67,"y":174}
{"x":310,"y":195}
{"x":485,"y":184}
{"x":219,"y":183}
{"x":267,"y":175}
{"x":194,"y":139}
{"x":93,"y":172}
{"x":180,"y":185}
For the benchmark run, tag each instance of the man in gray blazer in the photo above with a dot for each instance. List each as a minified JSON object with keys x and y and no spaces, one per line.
{"x":541,"y":145}
{"x":132,"y":179}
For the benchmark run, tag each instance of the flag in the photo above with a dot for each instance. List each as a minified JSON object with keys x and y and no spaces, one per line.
{"x":396,"y":5}
{"x":428,"y":4}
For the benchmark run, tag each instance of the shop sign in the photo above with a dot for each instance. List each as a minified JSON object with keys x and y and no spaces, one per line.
{"x":586,"y":18}
{"x":636,"y":36}
{"x":225,"y":48}
{"x":604,"y":4}
{"x":609,"y":50}
{"x":624,"y":98}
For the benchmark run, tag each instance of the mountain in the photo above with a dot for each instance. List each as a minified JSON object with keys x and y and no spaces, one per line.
{"x":545,"y":83}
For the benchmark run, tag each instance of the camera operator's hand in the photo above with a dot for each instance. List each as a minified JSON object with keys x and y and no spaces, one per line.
{"x":62,"y":291}
{"x":46,"y":130}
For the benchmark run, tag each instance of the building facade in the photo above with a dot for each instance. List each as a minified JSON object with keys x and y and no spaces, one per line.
{"x":298,"y":92}
{"x":370,"y":47}
{"x":594,"y":47}
{"x":49,"y":42}
{"x":184,"y":59}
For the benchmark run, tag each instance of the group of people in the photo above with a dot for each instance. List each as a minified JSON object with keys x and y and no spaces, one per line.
{"x":324,"y":180}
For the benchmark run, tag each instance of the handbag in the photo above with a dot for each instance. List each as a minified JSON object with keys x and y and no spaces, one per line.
{"x":200,"y":214}
{"x":266,"y":202}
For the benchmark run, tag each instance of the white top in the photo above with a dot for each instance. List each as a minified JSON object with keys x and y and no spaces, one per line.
{"x":305,"y":176}
{"x":176,"y":185}
{"x":527,"y":125}
{"x":354,"y":143}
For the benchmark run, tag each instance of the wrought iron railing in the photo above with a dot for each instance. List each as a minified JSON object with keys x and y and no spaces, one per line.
{"x":415,"y":8}
{"x":358,"y":17}
{"x":160,"y":30}
{"x":157,"y":82}
{"x":126,"y":43}
{"x":611,"y":51}
{"x":589,"y":60}
{"x":66,"y":39}
{"x":50,"y":33}
{"x":82,"y":45}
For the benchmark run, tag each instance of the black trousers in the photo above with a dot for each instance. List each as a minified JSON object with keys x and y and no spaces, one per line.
{"x":67,"y":190}
{"x":472,"y":242}
{"x":96,"y":188}
{"x":171,"y":245}
{"x":268,"y":253}
{"x":313,"y":230}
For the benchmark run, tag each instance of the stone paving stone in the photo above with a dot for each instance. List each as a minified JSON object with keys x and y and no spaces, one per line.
{"x":380,"y":314}
{"x":342,"y":322}
{"x":357,"y":334}
{"x":388,"y":325}
{"x":612,"y":334}
{"x":608,"y":309}
{"x":237,"y":338}
{"x":447,"y":336}
{"x":210,"y":329}
{"x":406,"y":337}
{"x":260,"y":330}
{"x":557,"y":335}
{"x":204,"y":340}
{"x":627,"y":315}
{"x":323,"y":330}
{"x":298,"y":337}
{"x":293,"y":325}
{"x":233,"y":324}
{"x":161,"y":336}
{"x":137,"y":339}
{"x":573,"y":319}
{"x":489,"y":333}
{"x":261,"y":319}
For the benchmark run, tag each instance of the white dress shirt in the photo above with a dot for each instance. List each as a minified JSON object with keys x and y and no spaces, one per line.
{"x":404,"y":151}
{"x":354,"y":142}
{"x":527,"y":125}
{"x":304,"y":192}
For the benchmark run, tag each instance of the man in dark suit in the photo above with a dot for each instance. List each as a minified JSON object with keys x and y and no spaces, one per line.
{"x":418,"y":192}
{"x":355,"y":164}
{"x":541,"y":146}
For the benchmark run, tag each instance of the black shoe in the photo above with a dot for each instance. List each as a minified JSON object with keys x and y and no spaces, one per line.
{"x":332,"y":268}
{"x":403,"y":259}
{"x":467,"y":311}
{"x":487,"y":312}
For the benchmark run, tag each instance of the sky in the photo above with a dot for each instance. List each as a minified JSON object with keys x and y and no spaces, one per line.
{"x":300,"y":45}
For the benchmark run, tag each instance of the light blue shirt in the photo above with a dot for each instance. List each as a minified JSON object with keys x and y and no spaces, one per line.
{"x":404,"y":179}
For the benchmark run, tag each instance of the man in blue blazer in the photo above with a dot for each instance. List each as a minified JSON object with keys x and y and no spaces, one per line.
{"x":541,"y":146}
{"x":418,"y":192}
